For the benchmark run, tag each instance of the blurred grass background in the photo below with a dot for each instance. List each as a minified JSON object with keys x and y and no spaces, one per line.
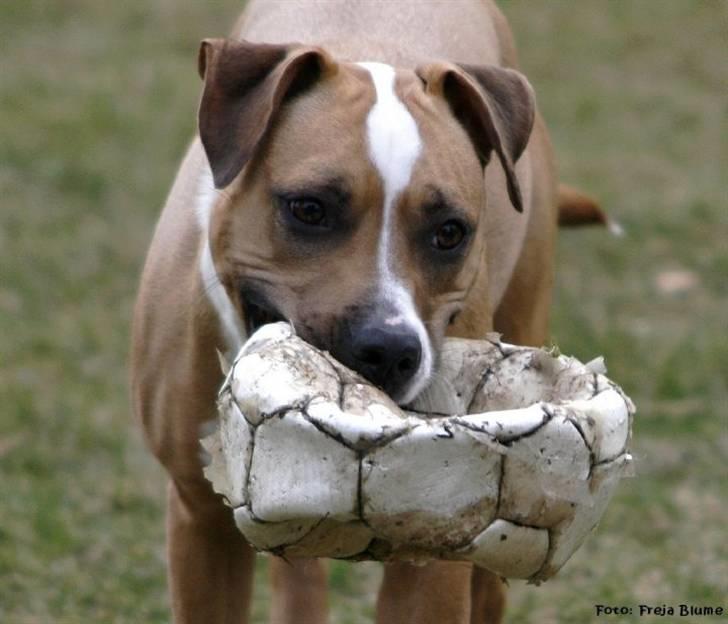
{"x":97,"y":103}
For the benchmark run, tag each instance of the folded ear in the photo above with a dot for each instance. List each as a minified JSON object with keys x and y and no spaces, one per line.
{"x":496,"y":106}
{"x":245,"y":84}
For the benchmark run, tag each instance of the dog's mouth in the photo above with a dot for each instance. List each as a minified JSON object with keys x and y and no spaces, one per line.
{"x":258,"y":311}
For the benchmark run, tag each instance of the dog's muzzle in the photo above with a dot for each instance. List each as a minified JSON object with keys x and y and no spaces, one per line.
{"x":387,"y":354}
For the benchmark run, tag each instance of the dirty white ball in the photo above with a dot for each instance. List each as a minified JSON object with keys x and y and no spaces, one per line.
{"x":508,"y":459}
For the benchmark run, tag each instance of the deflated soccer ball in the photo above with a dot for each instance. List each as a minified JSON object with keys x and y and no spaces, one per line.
{"x":508,"y":459}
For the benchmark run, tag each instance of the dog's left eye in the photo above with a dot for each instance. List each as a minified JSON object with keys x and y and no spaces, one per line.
{"x":308,"y":211}
{"x":449,"y":235}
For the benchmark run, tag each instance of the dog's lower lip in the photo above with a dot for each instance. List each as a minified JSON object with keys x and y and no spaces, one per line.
{"x":258,"y":312}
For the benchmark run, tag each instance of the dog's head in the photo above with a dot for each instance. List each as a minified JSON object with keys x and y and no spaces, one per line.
{"x":352,"y":196}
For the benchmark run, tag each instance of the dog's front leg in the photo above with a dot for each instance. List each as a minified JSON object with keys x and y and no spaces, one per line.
{"x":210,"y":563}
{"x":298,"y":591}
{"x":430,"y":594}
{"x":488,"y":597}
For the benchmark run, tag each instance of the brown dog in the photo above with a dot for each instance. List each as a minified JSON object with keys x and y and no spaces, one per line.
{"x":351,"y":178}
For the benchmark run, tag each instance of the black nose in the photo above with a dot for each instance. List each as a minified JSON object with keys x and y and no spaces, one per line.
{"x":388,"y":356}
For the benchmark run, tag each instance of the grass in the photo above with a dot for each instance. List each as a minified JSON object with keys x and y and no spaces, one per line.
{"x":96,"y":105}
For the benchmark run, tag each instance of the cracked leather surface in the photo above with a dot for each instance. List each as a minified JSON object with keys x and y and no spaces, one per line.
{"x":508,"y":460}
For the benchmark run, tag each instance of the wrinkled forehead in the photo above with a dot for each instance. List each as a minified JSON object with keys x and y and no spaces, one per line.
{"x":374,"y":124}
{"x":414,"y":141}
{"x":320,"y":133}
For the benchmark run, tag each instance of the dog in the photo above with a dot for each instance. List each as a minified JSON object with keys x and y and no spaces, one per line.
{"x":378,"y":175}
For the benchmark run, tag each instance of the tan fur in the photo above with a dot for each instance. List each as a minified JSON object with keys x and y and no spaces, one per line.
{"x":505,"y":283}
{"x":577,"y":208}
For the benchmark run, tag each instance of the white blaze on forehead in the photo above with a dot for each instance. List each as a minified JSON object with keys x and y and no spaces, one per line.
{"x":394,"y":146}
{"x":394,"y":141}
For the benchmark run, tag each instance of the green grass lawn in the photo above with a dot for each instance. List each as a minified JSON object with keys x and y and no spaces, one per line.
{"x":97,"y":102}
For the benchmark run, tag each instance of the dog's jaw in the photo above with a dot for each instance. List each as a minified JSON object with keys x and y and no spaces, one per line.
{"x":258,"y":310}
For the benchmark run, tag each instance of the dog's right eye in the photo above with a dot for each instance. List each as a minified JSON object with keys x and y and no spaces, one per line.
{"x":449,"y":235}
{"x":307,"y":211}
{"x":313,"y":215}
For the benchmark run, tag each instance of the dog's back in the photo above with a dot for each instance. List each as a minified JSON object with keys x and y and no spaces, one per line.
{"x":399,"y":33}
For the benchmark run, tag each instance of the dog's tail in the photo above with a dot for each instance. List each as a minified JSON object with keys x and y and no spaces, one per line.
{"x":577,"y":209}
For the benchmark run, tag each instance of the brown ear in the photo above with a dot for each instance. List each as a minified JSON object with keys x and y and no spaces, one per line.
{"x":245,"y":84}
{"x":495,"y":105}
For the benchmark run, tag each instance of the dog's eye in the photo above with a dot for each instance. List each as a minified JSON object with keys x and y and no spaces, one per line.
{"x":448,"y":235}
{"x":308,"y":211}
